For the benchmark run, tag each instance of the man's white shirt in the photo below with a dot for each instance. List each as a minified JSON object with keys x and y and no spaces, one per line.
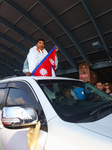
{"x":34,"y":57}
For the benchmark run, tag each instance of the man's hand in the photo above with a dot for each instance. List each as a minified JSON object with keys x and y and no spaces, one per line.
{"x":56,"y":50}
{"x":28,"y":74}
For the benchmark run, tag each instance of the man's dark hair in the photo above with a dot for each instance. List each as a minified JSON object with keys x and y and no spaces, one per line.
{"x":97,"y":82}
{"x":41,"y":40}
{"x":65,"y":86}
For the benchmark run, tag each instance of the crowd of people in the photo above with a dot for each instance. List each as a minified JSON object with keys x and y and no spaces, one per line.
{"x":106,"y":87}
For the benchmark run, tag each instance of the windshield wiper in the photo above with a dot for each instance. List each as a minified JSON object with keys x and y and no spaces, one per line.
{"x":100,"y":108}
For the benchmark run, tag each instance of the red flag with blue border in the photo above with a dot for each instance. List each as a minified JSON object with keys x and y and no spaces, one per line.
{"x":44,"y":68}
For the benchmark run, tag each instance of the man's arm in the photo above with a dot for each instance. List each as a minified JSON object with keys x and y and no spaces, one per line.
{"x":56,"y":58}
{"x":56,"y":62}
{"x":26,"y":68}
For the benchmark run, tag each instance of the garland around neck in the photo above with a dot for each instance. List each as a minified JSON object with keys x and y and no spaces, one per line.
{"x":39,"y":50}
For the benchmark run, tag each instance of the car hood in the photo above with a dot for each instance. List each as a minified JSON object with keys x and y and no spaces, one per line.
{"x":102,"y":126}
{"x":66,"y":135}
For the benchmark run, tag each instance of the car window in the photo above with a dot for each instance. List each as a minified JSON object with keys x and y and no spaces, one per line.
{"x":20,"y":95}
{"x":74,"y":100}
{"x":50,"y":90}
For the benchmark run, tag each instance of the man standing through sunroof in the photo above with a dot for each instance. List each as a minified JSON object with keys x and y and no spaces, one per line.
{"x":36,"y":54}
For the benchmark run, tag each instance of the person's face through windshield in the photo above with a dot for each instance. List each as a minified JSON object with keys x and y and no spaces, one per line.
{"x":66,"y":92}
{"x":99,"y":85}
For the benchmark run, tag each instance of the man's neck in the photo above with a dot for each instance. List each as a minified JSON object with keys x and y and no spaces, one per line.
{"x":39,"y":50}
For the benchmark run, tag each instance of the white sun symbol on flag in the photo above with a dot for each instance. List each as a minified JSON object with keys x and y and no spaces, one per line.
{"x":51,"y":61}
{"x":43,"y":71}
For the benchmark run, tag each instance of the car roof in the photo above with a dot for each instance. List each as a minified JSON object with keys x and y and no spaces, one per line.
{"x":35,"y":78}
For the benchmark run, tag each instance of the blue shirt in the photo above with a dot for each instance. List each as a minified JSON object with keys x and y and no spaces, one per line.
{"x":80,"y":93}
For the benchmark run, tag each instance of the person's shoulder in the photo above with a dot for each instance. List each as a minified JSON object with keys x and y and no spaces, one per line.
{"x":110,"y":94}
{"x":34,"y":47}
{"x":77,"y":89}
{"x":31,"y":50}
{"x":74,"y":89}
{"x":44,"y":50}
{"x":72,"y":97}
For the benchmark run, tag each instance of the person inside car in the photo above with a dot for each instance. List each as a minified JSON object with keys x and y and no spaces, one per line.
{"x":64,"y":97}
{"x":81,"y":93}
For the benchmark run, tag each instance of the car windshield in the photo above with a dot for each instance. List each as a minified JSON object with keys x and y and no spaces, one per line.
{"x":76,"y":101}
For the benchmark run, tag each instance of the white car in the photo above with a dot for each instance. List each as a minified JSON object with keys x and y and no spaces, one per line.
{"x":74,"y":115}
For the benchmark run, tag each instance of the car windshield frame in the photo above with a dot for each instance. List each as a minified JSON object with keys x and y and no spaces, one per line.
{"x":80,"y":110}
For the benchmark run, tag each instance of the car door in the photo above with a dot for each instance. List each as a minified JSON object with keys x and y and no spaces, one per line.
{"x":3,"y":94}
{"x":21,"y":93}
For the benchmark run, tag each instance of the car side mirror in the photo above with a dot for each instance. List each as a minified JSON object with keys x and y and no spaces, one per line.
{"x":16,"y":117}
